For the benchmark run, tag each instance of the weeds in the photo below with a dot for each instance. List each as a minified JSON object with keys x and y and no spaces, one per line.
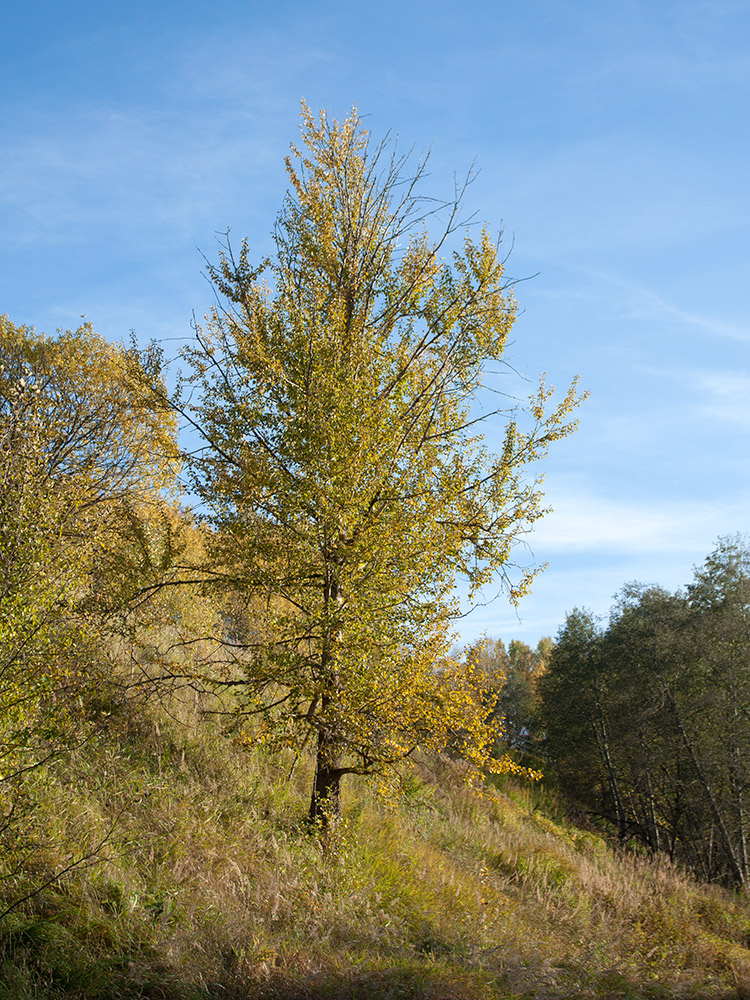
{"x":209,"y":885}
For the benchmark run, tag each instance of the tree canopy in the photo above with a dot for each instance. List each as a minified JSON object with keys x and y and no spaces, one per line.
{"x":648,"y":720}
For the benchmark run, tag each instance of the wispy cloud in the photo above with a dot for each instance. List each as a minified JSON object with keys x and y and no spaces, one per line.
{"x":651,"y":306}
{"x":583,"y":521}
{"x":594,"y":545}
{"x":639,"y":302}
{"x":728,"y":396}
{"x":634,"y":301}
{"x":135,"y":173}
{"x":722,"y":395}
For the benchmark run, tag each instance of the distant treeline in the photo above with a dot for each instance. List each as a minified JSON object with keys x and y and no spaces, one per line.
{"x":647,"y":720}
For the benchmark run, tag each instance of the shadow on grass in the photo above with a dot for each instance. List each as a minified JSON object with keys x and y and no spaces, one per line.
{"x":423,"y":982}
{"x":71,"y":978}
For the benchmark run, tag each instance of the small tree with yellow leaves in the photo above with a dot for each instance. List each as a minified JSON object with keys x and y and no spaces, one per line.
{"x":343,"y":467}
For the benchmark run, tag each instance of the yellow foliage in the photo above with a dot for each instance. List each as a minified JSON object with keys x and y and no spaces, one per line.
{"x":82,"y":457}
{"x":343,"y":469}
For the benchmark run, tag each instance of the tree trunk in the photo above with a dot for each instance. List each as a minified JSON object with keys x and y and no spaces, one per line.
{"x":325,"y":803}
{"x":603,"y":740}
{"x":737,"y":781}
{"x":738,"y":876}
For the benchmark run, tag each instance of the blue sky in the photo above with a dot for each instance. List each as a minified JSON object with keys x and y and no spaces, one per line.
{"x":612,"y":142}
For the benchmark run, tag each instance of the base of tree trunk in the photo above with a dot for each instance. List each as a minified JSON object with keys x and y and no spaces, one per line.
{"x":325,"y":803}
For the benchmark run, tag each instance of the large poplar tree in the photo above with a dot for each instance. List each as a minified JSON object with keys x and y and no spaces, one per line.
{"x":334,"y":387}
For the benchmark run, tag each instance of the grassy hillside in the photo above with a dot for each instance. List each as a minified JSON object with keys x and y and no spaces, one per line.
{"x":206,"y":884}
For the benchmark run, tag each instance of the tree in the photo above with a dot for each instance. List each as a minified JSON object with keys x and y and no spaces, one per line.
{"x":79,"y":450}
{"x":648,"y":722}
{"x":513,"y":676}
{"x":572,"y":713}
{"x":343,"y":469}
{"x":518,"y":702}
{"x":619,"y":707}
{"x":719,"y":598}
{"x":84,"y":459}
{"x":650,"y":685}
{"x":80,"y":422}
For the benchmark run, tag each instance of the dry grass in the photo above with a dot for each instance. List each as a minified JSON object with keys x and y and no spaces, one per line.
{"x":210,"y":886}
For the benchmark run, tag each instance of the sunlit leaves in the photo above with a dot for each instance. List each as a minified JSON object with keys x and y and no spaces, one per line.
{"x":84,"y":460}
{"x":343,"y":467}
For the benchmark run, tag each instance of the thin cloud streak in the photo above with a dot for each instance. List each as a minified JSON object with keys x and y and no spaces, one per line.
{"x":586,"y":522}
{"x":640,"y":302}
{"x":731,"y":396}
{"x":654,"y":307}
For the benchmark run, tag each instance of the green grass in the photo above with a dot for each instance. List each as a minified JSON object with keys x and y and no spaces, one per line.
{"x":208,"y":885}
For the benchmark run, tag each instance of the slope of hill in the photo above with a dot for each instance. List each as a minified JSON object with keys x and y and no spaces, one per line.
{"x":202,"y":882}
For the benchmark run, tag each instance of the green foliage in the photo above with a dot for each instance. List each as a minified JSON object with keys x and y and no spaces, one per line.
{"x":647,"y":720}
